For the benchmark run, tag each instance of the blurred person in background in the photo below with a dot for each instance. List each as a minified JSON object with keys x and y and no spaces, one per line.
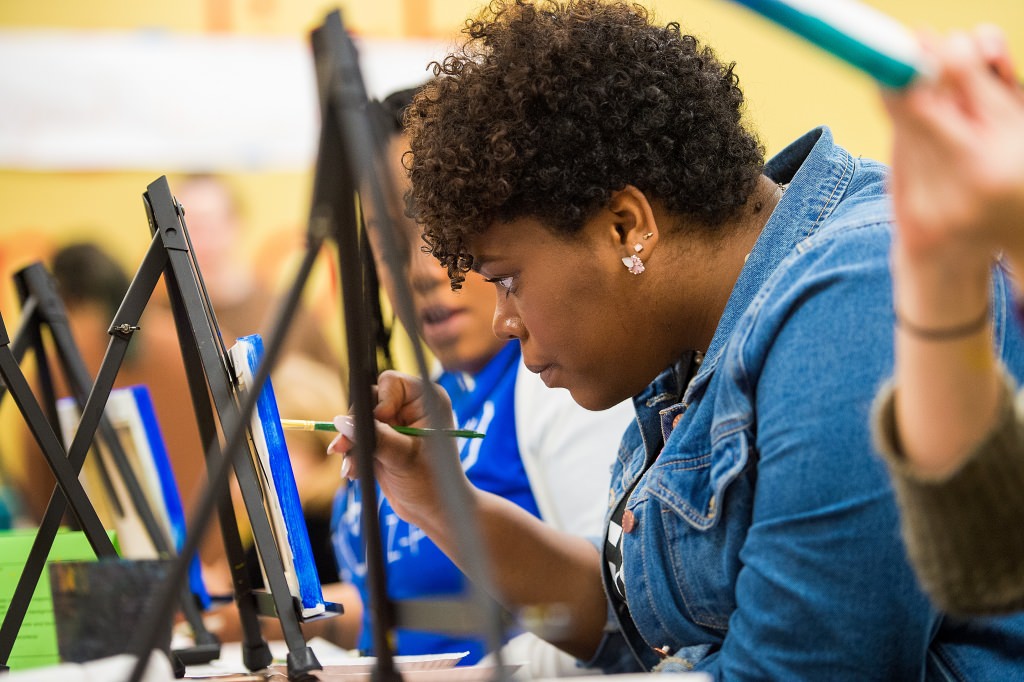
{"x":542,"y":451}
{"x":243,"y":300}
{"x":92,"y":285}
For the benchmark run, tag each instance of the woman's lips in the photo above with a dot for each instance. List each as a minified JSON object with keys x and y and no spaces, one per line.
{"x":544,"y":371}
{"x":440,"y":322}
{"x":436,"y":314}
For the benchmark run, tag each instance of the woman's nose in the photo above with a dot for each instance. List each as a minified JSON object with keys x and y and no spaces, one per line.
{"x":507,"y":324}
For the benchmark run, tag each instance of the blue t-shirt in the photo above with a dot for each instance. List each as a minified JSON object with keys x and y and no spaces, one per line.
{"x":415,"y":567}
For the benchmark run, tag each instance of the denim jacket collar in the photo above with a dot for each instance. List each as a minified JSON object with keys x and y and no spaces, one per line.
{"x":665,"y":391}
{"x":814,"y":167}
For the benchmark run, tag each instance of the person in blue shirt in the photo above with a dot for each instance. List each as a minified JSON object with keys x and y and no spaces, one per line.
{"x":595,"y":167}
{"x":542,"y":452}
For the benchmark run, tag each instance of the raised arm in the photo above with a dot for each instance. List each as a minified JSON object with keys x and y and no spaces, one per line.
{"x":947,"y":424}
{"x":958,"y":198}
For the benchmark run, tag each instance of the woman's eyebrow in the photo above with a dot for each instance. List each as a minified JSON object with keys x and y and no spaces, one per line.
{"x":479,"y":262}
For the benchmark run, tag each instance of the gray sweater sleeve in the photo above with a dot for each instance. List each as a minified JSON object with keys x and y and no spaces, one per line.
{"x":964,"y":532}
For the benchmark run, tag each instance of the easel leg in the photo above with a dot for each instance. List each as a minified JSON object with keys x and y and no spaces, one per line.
{"x":202,"y":362}
{"x":255,"y":651}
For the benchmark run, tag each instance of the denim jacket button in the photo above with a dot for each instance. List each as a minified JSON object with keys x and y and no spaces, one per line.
{"x":628,"y":521}
{"x":712,"y":504}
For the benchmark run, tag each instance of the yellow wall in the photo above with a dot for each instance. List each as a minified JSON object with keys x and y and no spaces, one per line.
{"x":790,"y":87}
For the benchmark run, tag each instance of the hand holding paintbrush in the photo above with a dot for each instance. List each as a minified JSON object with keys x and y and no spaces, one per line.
{"x":344,"y":426}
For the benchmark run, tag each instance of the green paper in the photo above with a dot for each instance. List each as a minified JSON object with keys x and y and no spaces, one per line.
{"x":36,"y":644}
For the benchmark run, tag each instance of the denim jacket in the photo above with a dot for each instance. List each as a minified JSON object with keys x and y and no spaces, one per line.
{"x":764,"y":540}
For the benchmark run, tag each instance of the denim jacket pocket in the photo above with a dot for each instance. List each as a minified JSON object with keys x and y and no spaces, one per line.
{"x":703,"y":505}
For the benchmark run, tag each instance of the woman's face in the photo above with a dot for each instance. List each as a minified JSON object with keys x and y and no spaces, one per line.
{"x":585,"y":322}
{"x":456,"y":325}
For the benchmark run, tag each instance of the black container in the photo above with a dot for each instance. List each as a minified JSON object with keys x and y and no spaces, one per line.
{"x":99,"y":606}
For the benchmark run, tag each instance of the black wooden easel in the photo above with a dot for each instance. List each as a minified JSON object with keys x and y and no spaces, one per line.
{"x":42,"y":310}
{"x":349,"y":160}
{"x":354,"y":147}
{"x":216,"y":402}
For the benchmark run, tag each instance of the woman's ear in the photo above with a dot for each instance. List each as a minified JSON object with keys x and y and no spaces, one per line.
{"x":633,"y":225}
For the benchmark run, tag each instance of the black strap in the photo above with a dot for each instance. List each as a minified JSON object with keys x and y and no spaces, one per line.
{"x":685,"y":369}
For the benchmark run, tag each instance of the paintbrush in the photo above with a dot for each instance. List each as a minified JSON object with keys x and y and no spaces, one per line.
{"x":857,"y":33}
{"x":311,"y":425}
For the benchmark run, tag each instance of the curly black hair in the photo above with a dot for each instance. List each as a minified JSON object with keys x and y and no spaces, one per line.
{"x":550,"y":106}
